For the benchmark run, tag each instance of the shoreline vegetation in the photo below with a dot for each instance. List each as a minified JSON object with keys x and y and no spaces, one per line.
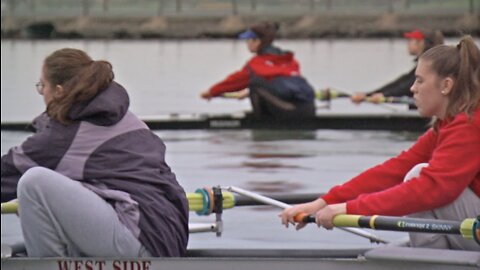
{"x":190,"y":27}
{"x":192,"y":19}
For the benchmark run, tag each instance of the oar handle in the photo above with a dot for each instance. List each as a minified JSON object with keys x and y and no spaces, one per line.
{"x":273,"y":202}
{"x":10,"y":207}
{"x":394,"y":100}
{"x":304,"y":218}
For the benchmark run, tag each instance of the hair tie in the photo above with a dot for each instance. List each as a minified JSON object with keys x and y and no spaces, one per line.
{"x":459,"y":45}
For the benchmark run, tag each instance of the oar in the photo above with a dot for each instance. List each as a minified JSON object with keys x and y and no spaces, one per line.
{"x":328,"y":94}
{"x":202,"y":201}
{"x":468,"y":228}
{"x":12,"y":250}
{"x":12,"y":206}
{"x":298,"y":218}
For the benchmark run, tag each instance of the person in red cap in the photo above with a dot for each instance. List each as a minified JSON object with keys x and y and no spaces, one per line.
{"x":276,"y":88}
{"x":418,"y":43}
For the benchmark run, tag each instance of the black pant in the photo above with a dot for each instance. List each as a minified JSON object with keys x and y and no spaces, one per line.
{"x":266,"y":104}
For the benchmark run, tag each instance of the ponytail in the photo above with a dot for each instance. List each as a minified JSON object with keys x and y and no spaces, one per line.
{"x":468,"y":78}
{"x":80,"y":77}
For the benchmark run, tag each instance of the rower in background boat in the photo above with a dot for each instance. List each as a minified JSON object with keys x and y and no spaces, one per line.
{"x":93,"y":181}
{"x":417,"y":43}
{"x":276,"y":88}
{"x":441,"y":170}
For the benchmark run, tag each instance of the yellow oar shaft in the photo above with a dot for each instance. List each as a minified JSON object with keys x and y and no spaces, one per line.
{"x":196,"y":202}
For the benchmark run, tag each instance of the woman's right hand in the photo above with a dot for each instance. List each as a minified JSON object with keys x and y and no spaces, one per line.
{"x":357,"y":98}
{"x":288,"y":215}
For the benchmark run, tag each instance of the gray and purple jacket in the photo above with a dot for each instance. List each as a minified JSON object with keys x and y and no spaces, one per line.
{"x":114,"y":154}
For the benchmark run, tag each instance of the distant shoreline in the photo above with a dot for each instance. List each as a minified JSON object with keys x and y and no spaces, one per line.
{"x":188,"y":27}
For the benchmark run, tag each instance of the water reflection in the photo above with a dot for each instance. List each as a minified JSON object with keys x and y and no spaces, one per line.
{"x":278,"y":135}
{"x":278,"y":155}
{"x":209,"y":158}
{"x":273,"y":186}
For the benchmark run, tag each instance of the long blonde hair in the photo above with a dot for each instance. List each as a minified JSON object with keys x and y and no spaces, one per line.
{"x":80,"y":76}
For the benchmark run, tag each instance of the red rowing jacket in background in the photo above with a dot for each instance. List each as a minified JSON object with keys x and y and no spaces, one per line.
{"x":266,"y":66}
{"x":453,"y":155}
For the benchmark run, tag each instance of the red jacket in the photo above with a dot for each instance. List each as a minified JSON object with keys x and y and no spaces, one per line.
{"x":266,"y":66}
{"x":453,"y":155}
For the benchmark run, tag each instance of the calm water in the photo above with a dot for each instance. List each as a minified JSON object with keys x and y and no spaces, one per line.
{"x":297,"y":162}
{"x":166,"y":77}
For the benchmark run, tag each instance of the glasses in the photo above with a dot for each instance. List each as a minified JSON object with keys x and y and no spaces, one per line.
{"x":40,"y":86}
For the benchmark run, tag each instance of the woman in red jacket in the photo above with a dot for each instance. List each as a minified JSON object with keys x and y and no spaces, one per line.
{"x":447,"y":184}
{"x":276,"y":88}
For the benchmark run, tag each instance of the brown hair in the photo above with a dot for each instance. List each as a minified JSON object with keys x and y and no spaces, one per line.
{"x":432,"y":39}
{"x":80,"y":76}
{"x":266,"y":32}
{"x":462,"y":63}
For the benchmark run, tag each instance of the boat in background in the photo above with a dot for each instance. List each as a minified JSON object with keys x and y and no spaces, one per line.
{"x":391,"y":121}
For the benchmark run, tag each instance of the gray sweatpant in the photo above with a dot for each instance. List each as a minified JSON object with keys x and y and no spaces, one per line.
{"x":60,"y":217}
{"x":467,"y":205}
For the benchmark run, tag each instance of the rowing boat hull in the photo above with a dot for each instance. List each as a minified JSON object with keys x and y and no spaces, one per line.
{"x":381,"y":258}
{"x":404,"y":121}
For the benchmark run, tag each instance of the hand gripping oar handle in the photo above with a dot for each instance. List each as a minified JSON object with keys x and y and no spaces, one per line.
{"x":300,"y":217}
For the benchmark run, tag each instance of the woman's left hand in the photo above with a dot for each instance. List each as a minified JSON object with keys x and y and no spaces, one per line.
{"x":206,"y":95}
{"x":324,"y":216}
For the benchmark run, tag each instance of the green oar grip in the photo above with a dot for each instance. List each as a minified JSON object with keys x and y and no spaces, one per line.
{"x":346,"y":220}
{"x":9,"y":207}
{"x":197,"y":201}
{"x":466,"y":228}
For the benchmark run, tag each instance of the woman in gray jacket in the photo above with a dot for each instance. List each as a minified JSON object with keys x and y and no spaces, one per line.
{"x":92,"y":180}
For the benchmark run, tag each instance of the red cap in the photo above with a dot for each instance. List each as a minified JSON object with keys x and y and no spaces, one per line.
{"x":416,"y":34}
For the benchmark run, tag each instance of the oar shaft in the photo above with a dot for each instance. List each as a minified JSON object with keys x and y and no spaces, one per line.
{"x":395,"y":100}
{"x":283,"y":205}
{"x":258,"y":197}
{"x":198,"y":201}
{"x":286,"y":198}
{"x":464,"y":228}
{"x":329,"y":94}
